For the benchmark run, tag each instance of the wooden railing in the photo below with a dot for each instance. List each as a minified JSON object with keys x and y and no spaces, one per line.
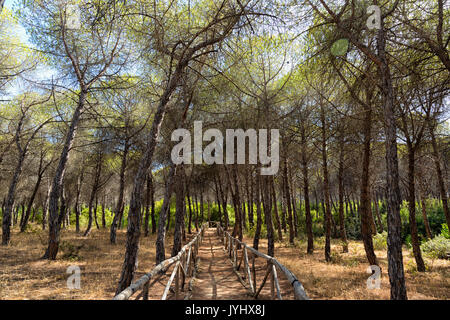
{"x":239,"y":252}
{"x":185,"y":265}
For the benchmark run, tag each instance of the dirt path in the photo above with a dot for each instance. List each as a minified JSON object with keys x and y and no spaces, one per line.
{"x":216,"y":279}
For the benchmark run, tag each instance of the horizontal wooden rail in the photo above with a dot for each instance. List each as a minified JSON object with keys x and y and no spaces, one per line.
{"x":233,"y":245}
{"x":183,"y":261}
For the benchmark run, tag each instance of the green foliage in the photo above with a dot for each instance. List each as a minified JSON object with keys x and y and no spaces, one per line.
{"x":444,"y":231}
{"x":353,"y":227}
{"x":435,"y":215}
{"x":339,"y":47}
{"x":380,"y":241}
{"x":436,"y":248}
{"x":70,"y":251}
{"x":263,"y":234}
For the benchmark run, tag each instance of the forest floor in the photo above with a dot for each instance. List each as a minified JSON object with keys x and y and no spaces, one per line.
{"x":23,"y":275}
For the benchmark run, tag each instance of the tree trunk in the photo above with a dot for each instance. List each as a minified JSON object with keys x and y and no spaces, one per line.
{"x":54,"y":226}
{"x":224,"y":196}
{"x":147,"y":205}
{"x":267,"y":205}
{"x":190,"y":210}
{"x":283,"y":206}
{"x":33,"y":195}
{"x":365,"y":209}
{"x":341,"y":195}
{"x":160,"y":240}
{"x":95,"y":186}
{"x":179,"y":213}
{"x":326,"y":188}
{"x":258,"y":212}
{"x":292,"y":198}
{"x":377,"y":212}
{"x":216,"y":189}
{"x":152,"y":202}
{"x":277,"y":216}
{"x":103,"y":214}
{"x":441,"y":183}
{"x":308,"y":218}
{"x":412,"y":210}
{"x":395,"y":256}
{"x":8,"y":211}
{"x":423,"y":206}
{"x":249,"y":186}
{"x":45,"y":209}
{"x":120,"y":206}
{"x":287,"y":201}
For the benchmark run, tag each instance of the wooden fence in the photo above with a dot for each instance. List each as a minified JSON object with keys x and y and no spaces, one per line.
{"x":247,"y":255}
{"x":185,"y":264}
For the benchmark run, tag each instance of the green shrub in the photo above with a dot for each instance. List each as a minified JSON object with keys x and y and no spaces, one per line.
{"x":408,"y":242}
{"x":70,"y":251}
{"x":380,"y":241}
{"x":436,"y":248}
{"x":353,"y":227}
{"x":444,"y":231}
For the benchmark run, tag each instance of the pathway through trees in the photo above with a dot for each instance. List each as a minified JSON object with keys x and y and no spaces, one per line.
{"x":215,"y":266}
{"x":216,"y":279}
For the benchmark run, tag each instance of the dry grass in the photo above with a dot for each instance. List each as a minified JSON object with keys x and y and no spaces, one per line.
{"x":346,"y":277}
{"x":24,"y":276}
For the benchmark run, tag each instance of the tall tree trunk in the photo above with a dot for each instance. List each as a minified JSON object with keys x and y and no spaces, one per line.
{"x":160,"y":240}
{"x":190,"y":210}
{"x":95,"y":186}
{"x":287,"y":201}
{"x":258,"y":211}
{"x":54,"y":226}
{"x":292,"y":198}
{"x":249,"y":187}
{"x":8,"y":211}
{"x":326,"y":188}
{"x":283,"y":206}
{"x":33,"y":195}
{"x":202,"y":207}
{"x":365,"y":209}
{"x":308,"y":218}
{"x":45,"y":208}
{"x":179,"y":213}
{"x":120,"y":206}
{"x":267,"y":205}
{"x":377,"y":212}
{"x":237,"y":231}
{"x":196,"y":212}
{"x":341,"y":195}
{"x":103,"y":214}
{"x":441,"y":183}
{"x":412,"y":209}
{"x":423,"y":208}
{"x":152,"y":203}
{"x":147,"y":205}
{"x":77,"y":201}
{"x":275,"y":207}
{"x":95,"y":211}
{"x":224,"y":196}
{"x":395,"y":256}
{"x":218,"y":201}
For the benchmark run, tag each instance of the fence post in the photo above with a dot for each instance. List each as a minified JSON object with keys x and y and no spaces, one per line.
{"x":272,"y":284}
{"x":177,"y":283}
